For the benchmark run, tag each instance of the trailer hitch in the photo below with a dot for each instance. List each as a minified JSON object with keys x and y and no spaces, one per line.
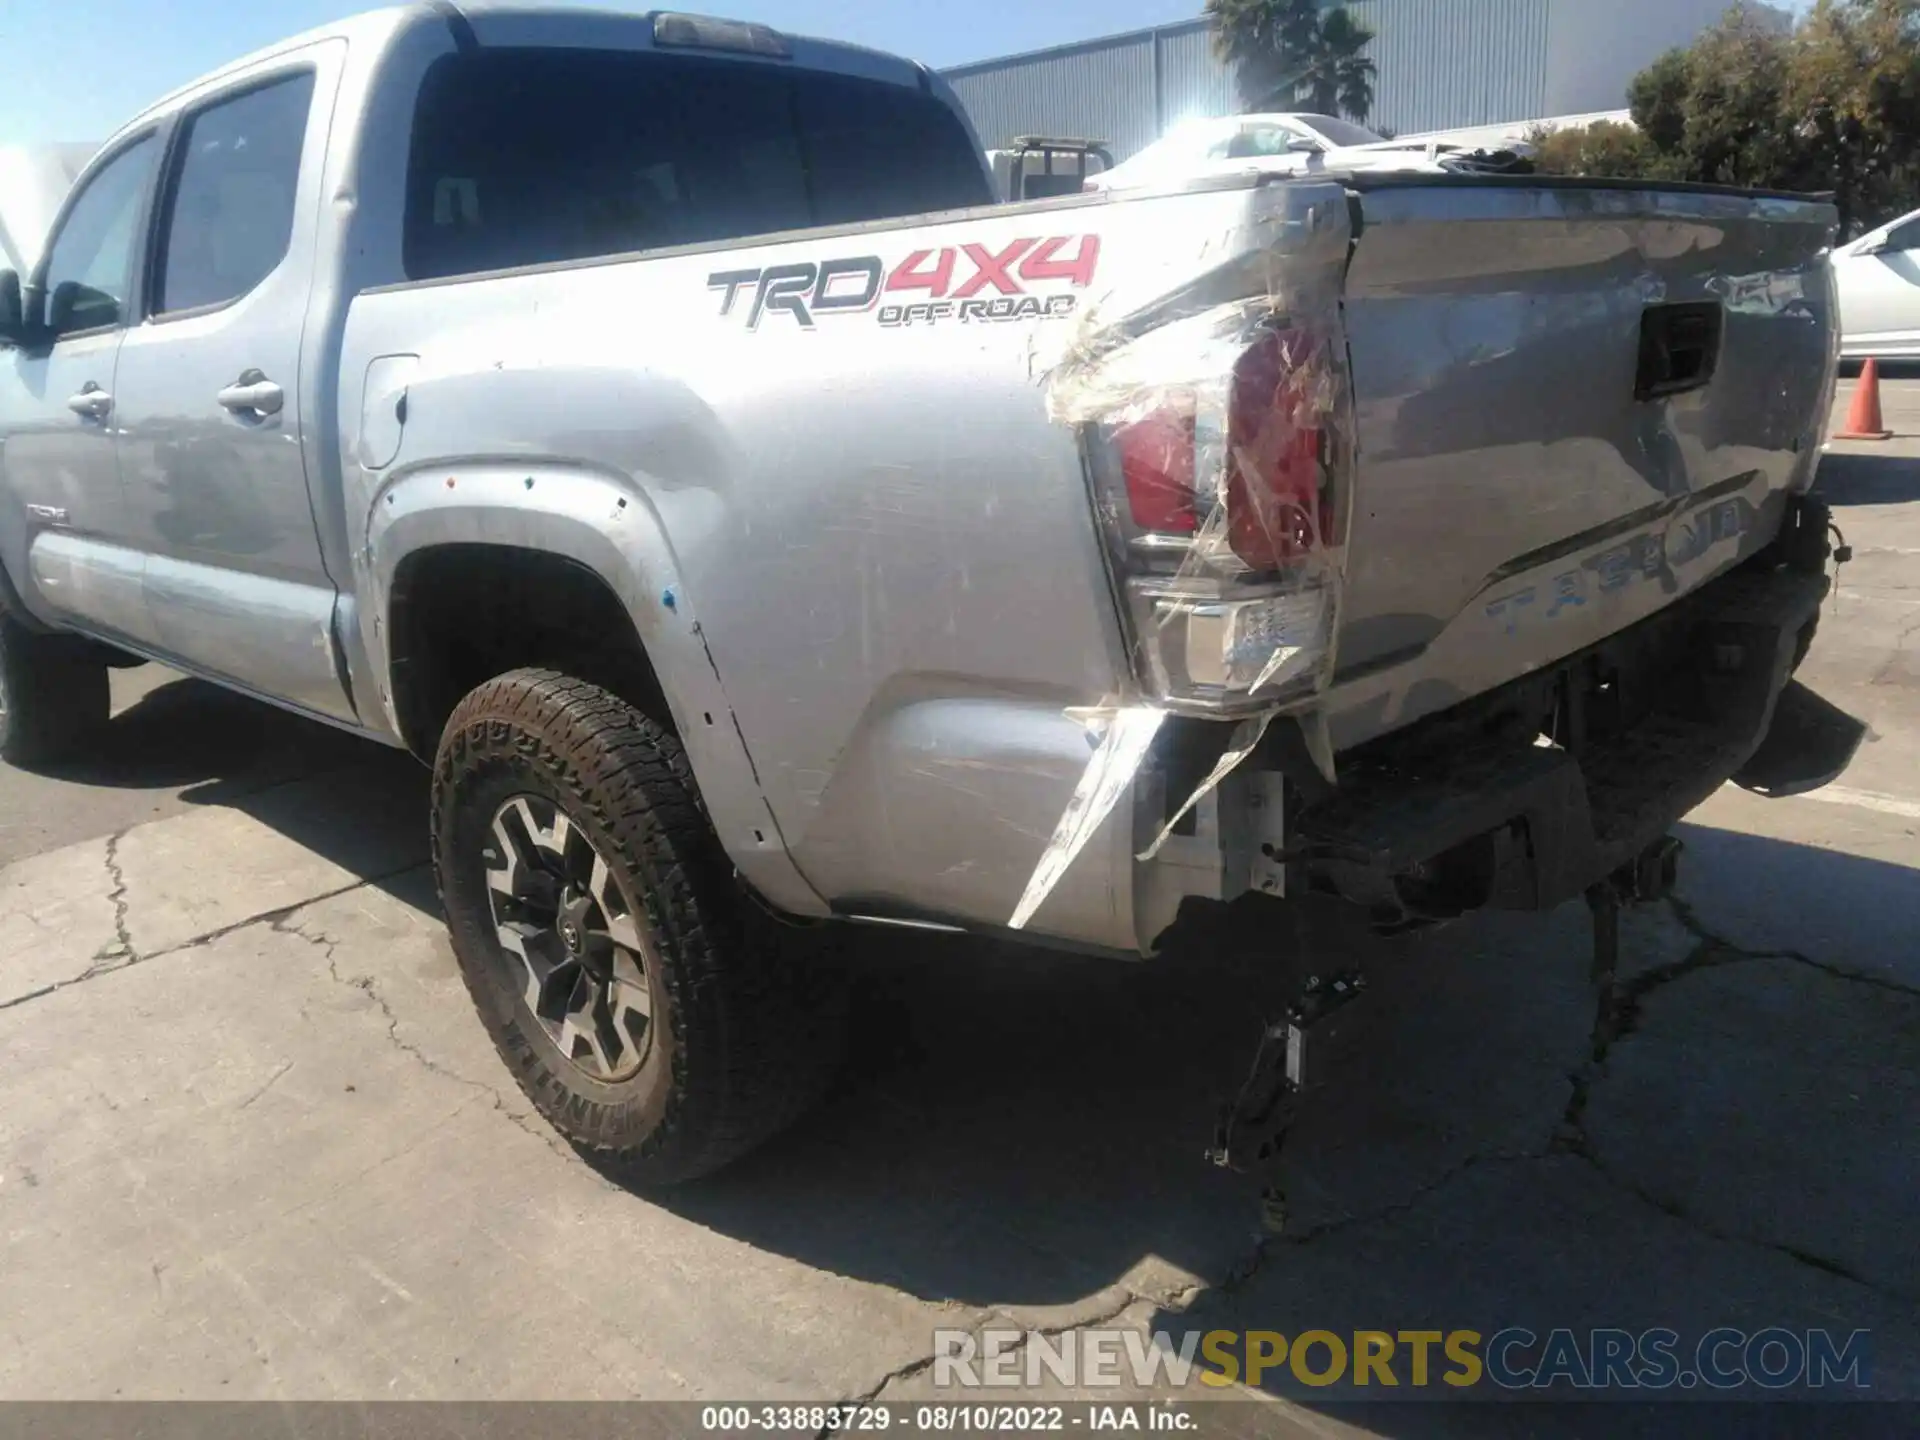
{"x":1293,"y":1057}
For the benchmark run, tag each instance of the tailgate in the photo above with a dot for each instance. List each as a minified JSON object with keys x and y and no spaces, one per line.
{"x":1573,"y":403}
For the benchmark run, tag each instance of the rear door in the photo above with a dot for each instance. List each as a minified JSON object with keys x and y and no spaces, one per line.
{"x":60,"y":411}
{"x":212,"y":410}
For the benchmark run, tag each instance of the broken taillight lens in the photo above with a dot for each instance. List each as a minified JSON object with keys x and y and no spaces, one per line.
{"x":1156,"y":463}
{"x":1274,"y":452}
{"x":1220,"y":484}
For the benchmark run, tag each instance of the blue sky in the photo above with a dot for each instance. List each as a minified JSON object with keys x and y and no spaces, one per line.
{"x":124,"y":53}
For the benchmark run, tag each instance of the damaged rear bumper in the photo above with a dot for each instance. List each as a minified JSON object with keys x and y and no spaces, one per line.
{"x":1528,"y":796}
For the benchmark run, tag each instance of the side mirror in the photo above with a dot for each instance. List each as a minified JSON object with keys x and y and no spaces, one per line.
{"x":60,"y":306}
{"x":1301,"y":145}
{"x":74,"y":306}
{"x":13,"y":319}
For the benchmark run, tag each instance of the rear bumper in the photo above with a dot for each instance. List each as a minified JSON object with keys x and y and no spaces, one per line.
{"x":1469,"y":809}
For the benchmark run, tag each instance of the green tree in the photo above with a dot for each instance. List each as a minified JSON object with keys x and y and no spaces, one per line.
{"x":1854,"y":88}
{"x":1717,"y":112}
{"x":1341,"y":72}
{"x":1605,"y":148}
{"x":1831,"y":104}
{"x":1290,"y":55}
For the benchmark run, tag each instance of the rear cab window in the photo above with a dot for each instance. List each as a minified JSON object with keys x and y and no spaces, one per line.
{"x":528,"y":156}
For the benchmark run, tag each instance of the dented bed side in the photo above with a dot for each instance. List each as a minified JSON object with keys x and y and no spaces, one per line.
{"x":856,"y":540}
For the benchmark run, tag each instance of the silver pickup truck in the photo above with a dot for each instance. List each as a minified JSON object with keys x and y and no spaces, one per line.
{"x":650,"y":423}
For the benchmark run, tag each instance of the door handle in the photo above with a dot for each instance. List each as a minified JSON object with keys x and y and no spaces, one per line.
{"x":92,"y":403}
{"x":253,"y":393}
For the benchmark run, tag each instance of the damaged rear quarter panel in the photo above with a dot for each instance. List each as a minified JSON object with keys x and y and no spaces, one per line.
{"x":886,"y":539}
{"x":482,"y":458}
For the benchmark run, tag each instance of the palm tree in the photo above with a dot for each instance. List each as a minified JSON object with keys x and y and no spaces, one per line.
{"x":1343,"y":41}
{"x":1248,"y":36}
{"x":1291,"y":56}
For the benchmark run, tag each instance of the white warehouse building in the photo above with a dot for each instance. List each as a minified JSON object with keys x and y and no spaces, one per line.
{"x":1443,"y":65}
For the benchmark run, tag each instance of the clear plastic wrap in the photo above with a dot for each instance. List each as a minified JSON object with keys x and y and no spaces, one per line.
{"x":1125,"y":737}
{"x":1219,"y":442}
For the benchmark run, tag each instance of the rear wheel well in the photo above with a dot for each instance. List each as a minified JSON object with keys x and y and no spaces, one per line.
{"x":462,"y":614}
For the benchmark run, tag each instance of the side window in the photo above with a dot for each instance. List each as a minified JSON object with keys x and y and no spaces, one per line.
{"x":1904,"y":237}
{"x":874,"y":151}
{"x":531,"y":156}
{"x":89,"y":263}
{"x":229,"y":211}
{"x":1259,"y":140}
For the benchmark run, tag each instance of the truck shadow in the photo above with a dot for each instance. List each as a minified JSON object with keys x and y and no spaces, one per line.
{"x":1023,"y":1129}
{"x":1024,"y":1133}
{"x":1019,"y":1126}
{"x":186,"y":732}
{"x":359,"y":804}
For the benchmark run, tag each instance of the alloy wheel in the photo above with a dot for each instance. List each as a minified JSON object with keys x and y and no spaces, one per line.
{"x":584,"y":955}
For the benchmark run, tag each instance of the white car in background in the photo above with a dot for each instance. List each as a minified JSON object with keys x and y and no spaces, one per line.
{"x":1878,"y":277}
{"x":1293,"y":144}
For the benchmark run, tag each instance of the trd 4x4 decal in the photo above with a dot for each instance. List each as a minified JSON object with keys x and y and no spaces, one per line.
{"x":967,"y":283}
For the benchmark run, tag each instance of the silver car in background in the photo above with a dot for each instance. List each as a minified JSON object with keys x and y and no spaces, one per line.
{"x":1878,"y":279}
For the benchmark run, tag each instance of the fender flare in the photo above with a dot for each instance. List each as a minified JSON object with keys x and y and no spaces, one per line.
{"x":607,"y":524}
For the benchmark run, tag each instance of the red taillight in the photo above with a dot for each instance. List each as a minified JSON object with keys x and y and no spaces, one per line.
{"x":1273,"y":465}
{"x":1156,"y":460}
{"x":1218,"y":464}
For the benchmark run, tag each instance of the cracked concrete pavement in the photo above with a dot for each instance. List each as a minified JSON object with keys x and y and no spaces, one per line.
{"x":254,"y":1143}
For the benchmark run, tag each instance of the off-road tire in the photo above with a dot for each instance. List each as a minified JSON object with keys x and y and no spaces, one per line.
{"x":744,"y":1028}
{"x":53,"y":694}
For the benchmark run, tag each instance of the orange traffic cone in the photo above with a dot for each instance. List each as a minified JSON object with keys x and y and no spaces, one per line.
{"x":1863,"y":418}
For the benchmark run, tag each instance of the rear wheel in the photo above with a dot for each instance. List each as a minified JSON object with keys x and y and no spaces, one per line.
{"x":53,"y":694}
{"x":644,"y":1007}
